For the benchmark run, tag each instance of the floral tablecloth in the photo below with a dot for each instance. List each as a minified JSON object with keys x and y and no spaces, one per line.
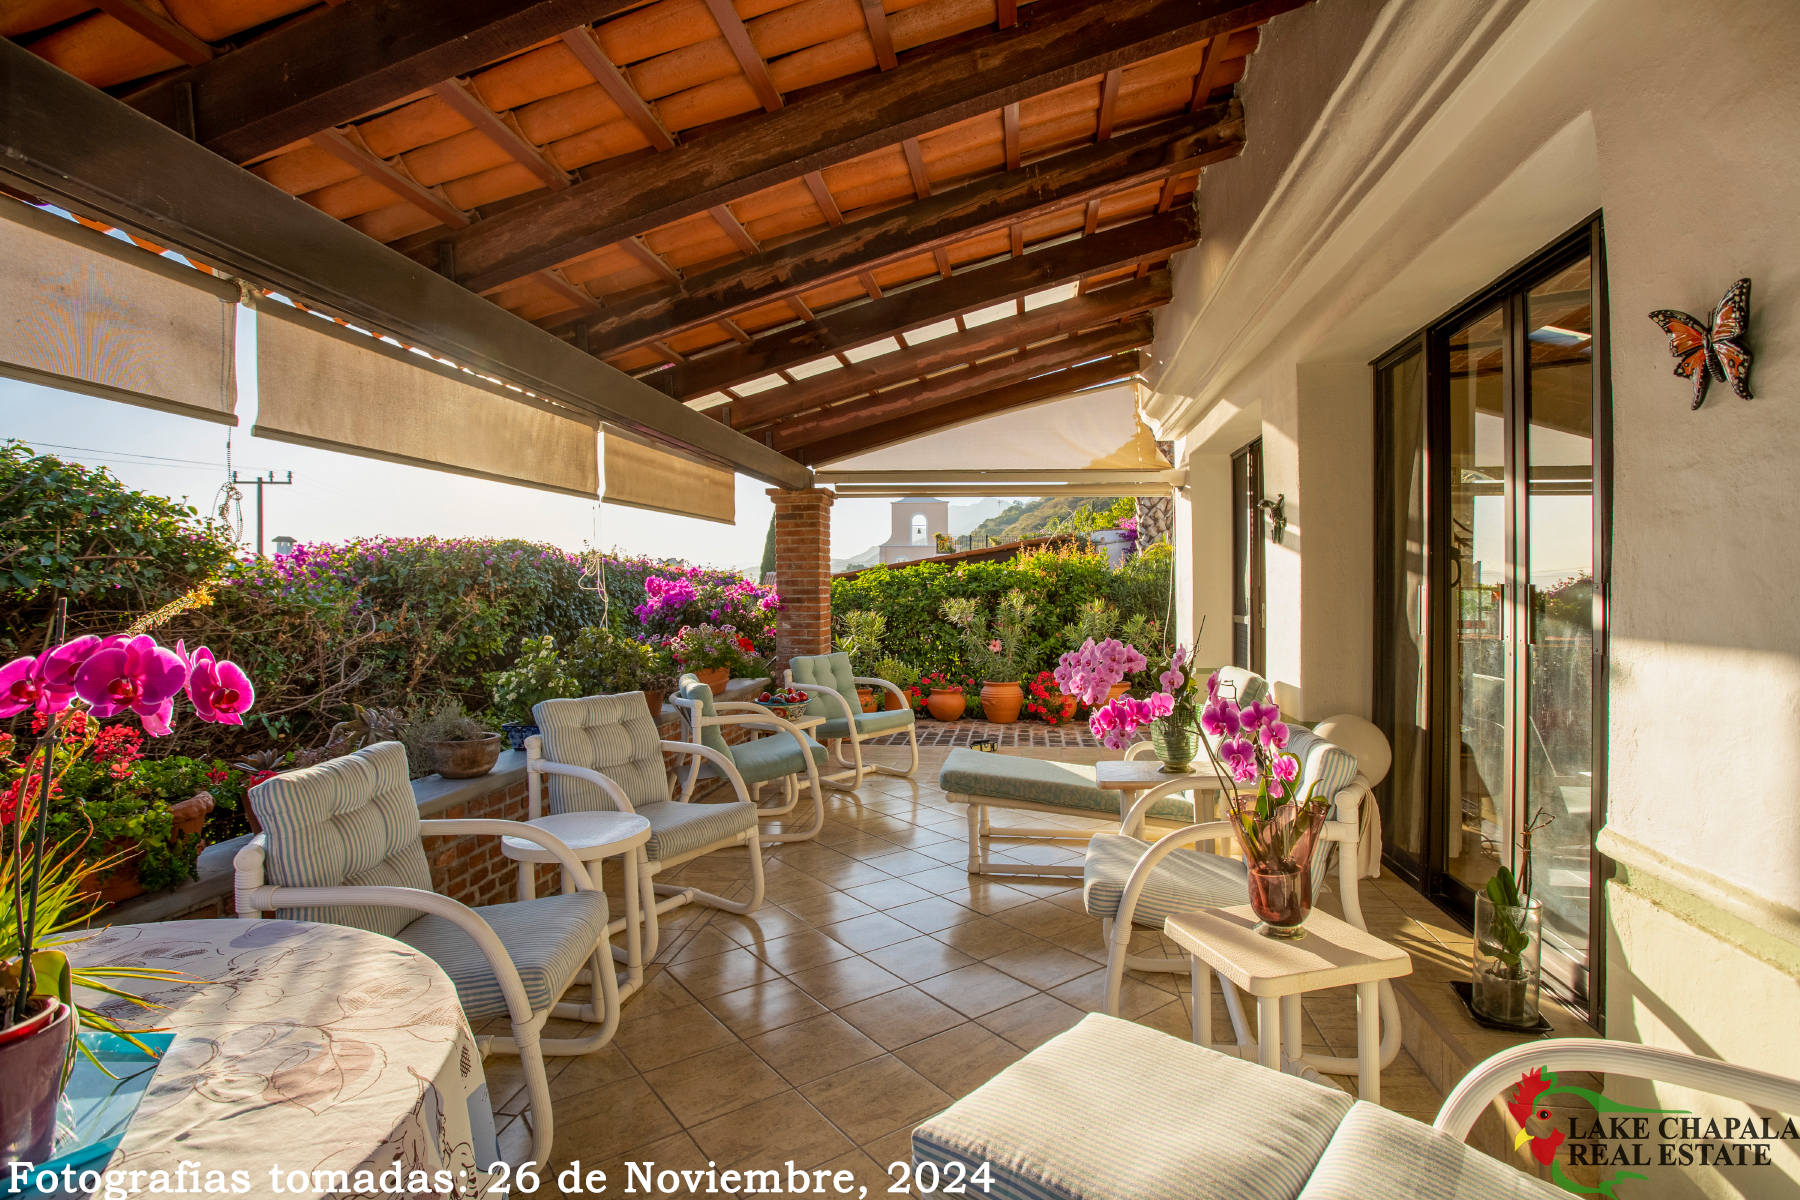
{"x":304,"y":1050}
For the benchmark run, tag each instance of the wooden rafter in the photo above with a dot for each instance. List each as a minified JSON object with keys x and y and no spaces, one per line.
{"x":1007,"y":12}
{"x":969,"y":408}
{"x":734,"y":229}
{"x":876,"y":18}
{"x":1059,"y":42}
{"x":756,"y":70}
{"x":928,"y":304}
{"x":500,"y":130}
{"x":1009,"y":134}
{"x":941,"y":257}
{"x":637,"y":110}
{"x":1127,"y":161}
{"x":815,"y":183}
{"x":577,"y":296}
{"x":940,"y":354}
{"x":1210,"y":58}
{"x":957,"y":385}
{"x":339,"y":63}
{"x":915,"y":166}
{"x":1109,"y":103}
{"x":146,"y":22}
{"x":347,"y":146}
{"x":640,"y":250}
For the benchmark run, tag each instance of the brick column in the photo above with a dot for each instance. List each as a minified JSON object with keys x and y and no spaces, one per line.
{"x":802,"y":573}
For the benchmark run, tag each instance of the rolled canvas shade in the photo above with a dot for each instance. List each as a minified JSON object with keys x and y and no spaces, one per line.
{"x":325,"y":386}
{"x":1097,"y":430}
{"x":88,"y":313}
{"x":641,"y":476}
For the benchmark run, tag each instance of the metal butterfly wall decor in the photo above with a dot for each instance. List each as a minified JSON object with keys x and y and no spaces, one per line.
{"x":1713,"y":348}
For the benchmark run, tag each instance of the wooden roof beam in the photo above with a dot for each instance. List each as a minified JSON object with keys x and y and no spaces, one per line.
{"x":862,"y":324}
{"x":579,"y":297}
{"x":147,"y":23}
{"x":734,"y":229}
{"x":957,"y":385}
{"x":969,"y":408}
{"x":640,"y":250}
{"x":1109,"y":103}
{"x":915,"y":166}
{"x":886,"y":370}
{"x":347,"y":146}
{"x":498,"y":129}
{"x":1130,"y":160}
{"x":876,"y":18}
{"x":1009,"y":134}
{"x":332,"y":66}
{"x":637,"y":110}
{"x":815,"y":183}
{"x":755,"y":69}
{"x":1056,"y":43}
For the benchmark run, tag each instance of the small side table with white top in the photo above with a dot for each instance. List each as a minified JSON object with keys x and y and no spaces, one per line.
{"x":1135,"y":776}
{"x":594,"y":836}
{"x":1277,"y":971}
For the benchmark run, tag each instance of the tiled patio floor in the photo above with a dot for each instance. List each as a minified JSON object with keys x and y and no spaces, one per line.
{"x":1018,"y":733}
{"x":878,"y":983}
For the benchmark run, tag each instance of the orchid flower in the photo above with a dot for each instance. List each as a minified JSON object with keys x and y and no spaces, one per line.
{"x":135,"y":675}
{"x":220,"y":691}
{"x":1220,"y":718}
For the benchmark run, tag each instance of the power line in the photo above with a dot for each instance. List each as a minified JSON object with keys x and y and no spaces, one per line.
{"x":126,"y":453}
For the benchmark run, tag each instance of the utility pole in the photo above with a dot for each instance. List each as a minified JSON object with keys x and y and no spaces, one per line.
{"x":260,"y":483}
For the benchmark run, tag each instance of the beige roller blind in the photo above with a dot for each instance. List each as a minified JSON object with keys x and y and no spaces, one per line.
{"x":641,"y":476}
{"x":321,"y":385}
{"x":88,"y":313}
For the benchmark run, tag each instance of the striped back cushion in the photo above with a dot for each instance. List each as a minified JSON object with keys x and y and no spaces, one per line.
{"x":692,"y":689}
{"x":827,"y":670}
{"x":348,"y":822}
{"x":613,"y":735}
{"x":1333,"y":768}
{"x":1241,"y":685}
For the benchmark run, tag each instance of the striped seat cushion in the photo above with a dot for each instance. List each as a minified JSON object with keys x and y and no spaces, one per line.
{"x":613,"y":735}
{"x":1377,"y":1152}
{"x":677,"y":829}
{"x":348,"y":822}
{"x":1111,"y":1110}
{"x":548,"y":939}
{"x":867,"y":724}
{"x":1041,"y":781}
{"x":1183,"y":881}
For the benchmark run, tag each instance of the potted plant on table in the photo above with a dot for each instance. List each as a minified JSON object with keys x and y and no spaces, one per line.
{"x":712,"y":653}
{"x":448,"y":742}
{"x":996,"y":649}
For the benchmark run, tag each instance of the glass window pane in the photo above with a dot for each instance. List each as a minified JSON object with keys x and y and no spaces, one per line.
{"x":1560,"y":582}
{"x":1479,"y":819}
{"x":1403,"y":696}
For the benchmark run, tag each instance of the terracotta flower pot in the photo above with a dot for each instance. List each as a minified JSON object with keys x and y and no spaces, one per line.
{"x":655,"y":701}
{"x":465,"y":760}
{"x":121,"y":883}
{"x":31,"y":1062}
{"x":1067,"y":703}
{"x":868,"y":699}
{"x":1117,"y":690}
{"x":715,"y":678}
{"x":1001,"y":701}
{"x":946,"y":706}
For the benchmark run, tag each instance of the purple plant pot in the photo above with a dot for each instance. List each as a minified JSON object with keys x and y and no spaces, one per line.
{"x":31,"y":1064}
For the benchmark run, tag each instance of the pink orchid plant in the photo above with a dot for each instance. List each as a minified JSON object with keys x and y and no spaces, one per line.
{"x":1090,"y":672}
{"x":1248,"y":746}
{"x":1117,"y":724}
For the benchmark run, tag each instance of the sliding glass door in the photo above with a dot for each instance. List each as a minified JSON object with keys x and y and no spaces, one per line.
{"x":1489,"y":638}
{"x":1247,"y":529}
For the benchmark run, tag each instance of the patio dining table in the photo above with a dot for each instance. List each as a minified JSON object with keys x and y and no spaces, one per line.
{"x":300,"y":1050}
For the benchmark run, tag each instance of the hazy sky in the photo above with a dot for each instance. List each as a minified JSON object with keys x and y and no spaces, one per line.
{"x":338,"y":496}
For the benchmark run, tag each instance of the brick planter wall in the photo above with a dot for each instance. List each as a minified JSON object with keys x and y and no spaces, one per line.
{"x":802,"y":572}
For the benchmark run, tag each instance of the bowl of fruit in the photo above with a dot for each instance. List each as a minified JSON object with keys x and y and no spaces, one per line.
{"x":788,"y":703}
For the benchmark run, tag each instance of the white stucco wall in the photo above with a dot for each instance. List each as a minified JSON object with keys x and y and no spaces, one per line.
{"x":1459,"y":140}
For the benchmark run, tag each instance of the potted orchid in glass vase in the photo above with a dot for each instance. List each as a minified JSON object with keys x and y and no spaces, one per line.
{"x":1276,"y":826}
{"x":1169,"y":714}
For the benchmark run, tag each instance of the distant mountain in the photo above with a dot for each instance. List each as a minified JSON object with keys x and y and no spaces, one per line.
{"x":965,"y":517}
{"x":1027,"y":518}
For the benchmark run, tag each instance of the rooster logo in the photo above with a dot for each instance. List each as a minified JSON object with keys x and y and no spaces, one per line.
{"x":1537,"y":1125}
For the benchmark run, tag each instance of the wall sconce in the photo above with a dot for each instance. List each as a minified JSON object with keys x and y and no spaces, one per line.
{"x":1277,"y":511}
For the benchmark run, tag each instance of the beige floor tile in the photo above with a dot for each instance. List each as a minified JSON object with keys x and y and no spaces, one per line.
{"x":871,"y":931}
{"x":885,"y":1151}
{"x":900,"y":1017}
{"x":876,"y":1098}
{"x":800,"y":950}
{"x":764,"y":925}
{"x":814,"y":1049}
{"x":903,"y":861}
{"x":976,"y":990}
{"x":789,"y":884}
{"x":845,"y":981}
{"x":960,"y":1060}
{"x":984,"y":938}
{"x":705,"y":941}
{"x":670,"y":1154}
{"x":919,"y":958}
{"x":941,"y":880}
{"x":769,"y":1134}
{"x":720,"y":973}
{"x":712,"y":1084}
{"x":987,"y":897}
{"x":610,"y":1120}
{"x":657,"y":1039}
{"x":660,"y":992}
{"x":933,"y":914}
{"x":888,"y":895}
{"x":1032,"y":1022}
{"x":1136,"y":994}
{"x":580,"y":1073}
{"x":753,"y":1010}
{"x":1042,"y":964}
{"x":1044,"y":918}
{"x":827,"y":908}
{"x":852,"y":874}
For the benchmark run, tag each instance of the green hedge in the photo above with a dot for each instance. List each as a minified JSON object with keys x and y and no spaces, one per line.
{"x":1058,"y":581}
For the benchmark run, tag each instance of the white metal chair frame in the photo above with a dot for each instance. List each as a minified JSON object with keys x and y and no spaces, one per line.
{"x":1466,"y":1102}
{"x":674,"y":896}
{"x":853,"y":768}
{"x":757,"y":717}
{"x":1344,"y":829}
{"x":254,"y":897}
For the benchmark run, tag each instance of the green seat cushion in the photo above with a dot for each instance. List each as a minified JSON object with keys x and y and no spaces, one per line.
{"x":1380,"y":1152}
{"x":1111,"y":1110}
{"x":1041,"y":781}
{"x":677,"y":829}
{"x":826,"y":670}
{"x":1183,"y":881}
{"x":549,"y":940}
{"x":867,"y":724}
{"x":774,"y":756}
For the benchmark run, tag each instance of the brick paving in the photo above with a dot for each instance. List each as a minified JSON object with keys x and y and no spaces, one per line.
{"x":1019,"y":733}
